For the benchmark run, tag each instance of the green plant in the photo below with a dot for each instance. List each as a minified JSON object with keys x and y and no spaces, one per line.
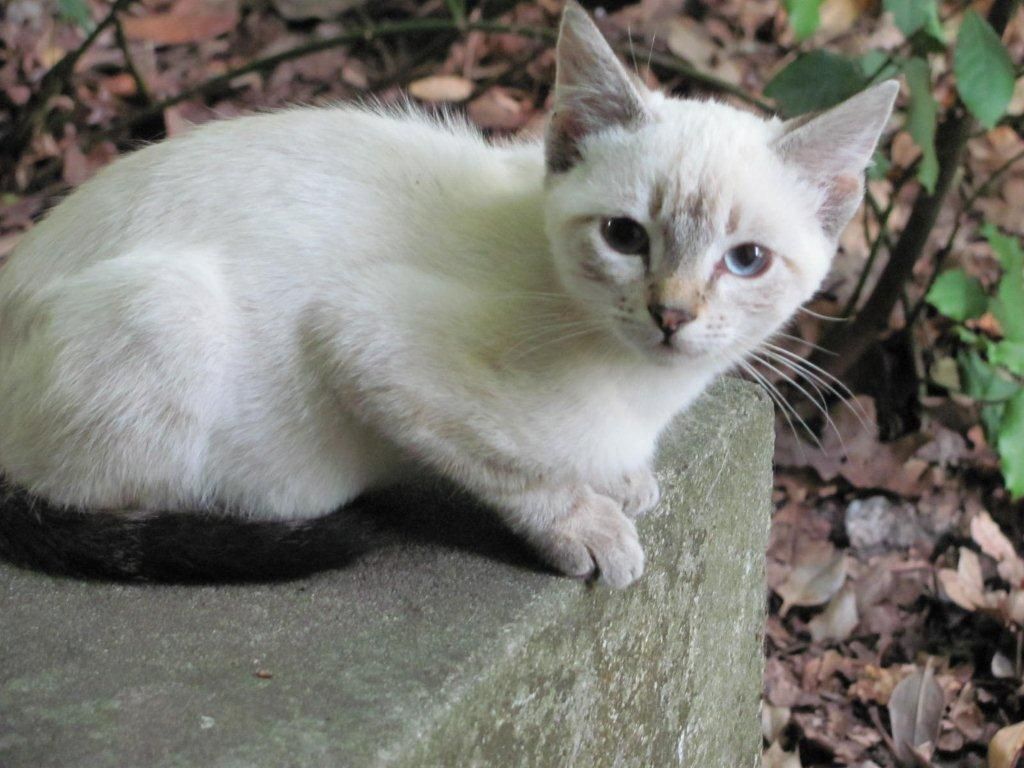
{"x":990,"y":362}
{"x":964,"y":48}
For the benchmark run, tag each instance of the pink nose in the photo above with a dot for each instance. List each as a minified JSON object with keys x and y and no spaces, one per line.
{"x":669,"y":319}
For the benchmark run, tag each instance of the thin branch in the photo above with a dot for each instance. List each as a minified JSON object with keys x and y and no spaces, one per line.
{"x":965,"y":209}
{"x":987,"y":184}
{"x":883,"y":239}
{"x":457,"y":9}
{"x":372,"y":32}
{"x":53,"y":82}
{"x":851,"y":341}
{"x":869,"y":263}
{"x":680,"y":67}
{"x":129,"y":63}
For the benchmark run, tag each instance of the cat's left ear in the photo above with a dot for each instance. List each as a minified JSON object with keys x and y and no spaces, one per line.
{"x":593,"y":91}
{"x":833,"y":148}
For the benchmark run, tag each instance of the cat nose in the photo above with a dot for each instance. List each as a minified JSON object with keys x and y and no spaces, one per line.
{"x":669,"y":319}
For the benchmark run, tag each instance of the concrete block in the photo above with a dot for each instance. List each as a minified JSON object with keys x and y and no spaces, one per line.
{"x":448,"y":648}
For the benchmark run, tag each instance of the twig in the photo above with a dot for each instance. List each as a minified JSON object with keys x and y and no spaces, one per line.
{"x":882,"y":215}
{"x":681,"y":67}
{"x":986,"y":185}
{"x":53,"y":82}
{"x":869,"y":263}
{"x":854,"y":339}
{"x":129,"y":63}
{"x":457,"y":9}
{"x":947,"y":247}
{"x":850,"y":342}
{"x":372,"y":32}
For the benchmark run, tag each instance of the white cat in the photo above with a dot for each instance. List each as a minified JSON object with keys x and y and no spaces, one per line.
{"x":271,"y":315}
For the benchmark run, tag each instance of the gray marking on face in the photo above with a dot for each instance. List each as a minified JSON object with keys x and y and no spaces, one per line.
{"x":687,"y":222}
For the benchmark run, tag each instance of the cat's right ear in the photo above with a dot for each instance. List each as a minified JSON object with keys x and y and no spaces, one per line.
{"x":593,"y":91}
{"x":831,"y":149}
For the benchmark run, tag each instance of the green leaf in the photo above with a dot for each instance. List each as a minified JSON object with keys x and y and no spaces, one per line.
{"x":880,"y":167}
{"x":918,"y":19}
{"x":984,"y":72}
{"x":815,"y":80}
{"x":983,"y":382}
{"x":77,"y":12}
{"x":991,"y":418}
{"x":957,"y":295}
{"x":912,"y":16}
{"x":1008,"y":304}
{"x":1009,"y":354}
{"x":877,"y":66}
{"x":803,"y":17}
{"x":921,"y":119}
{"x":946,"y":373}
{"x":1010,"y":444}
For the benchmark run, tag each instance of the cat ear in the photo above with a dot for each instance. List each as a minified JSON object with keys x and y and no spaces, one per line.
{"x":593,"y":91}
{"x":833,"y":148}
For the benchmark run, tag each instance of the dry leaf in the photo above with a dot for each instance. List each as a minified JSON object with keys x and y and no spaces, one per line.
{"x":775,"y":757}
{"x":993,"y":542}
{"x":690,"y":42}
{"x":814,"y":579}
{"x":497,"y":109}
{"x":1014,"y":607}
{"x":1006,"y":750}
{"x":915,"y":711}
{"x":964,"y":586}
{"x":839,"y":15}
{"x":838,"y":620}
{"x":987,"y":324}
{"x":1002,"y":667}
{"x":773,"y":720}
{"x":441,"y":88}
{"x":875,"y":684}
{"x":314,"y":9}
{"x":187,"y":22}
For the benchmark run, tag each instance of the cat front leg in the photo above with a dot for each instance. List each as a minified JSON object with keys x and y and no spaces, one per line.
{"x":637,"y":491}
{"x":577,"y":531}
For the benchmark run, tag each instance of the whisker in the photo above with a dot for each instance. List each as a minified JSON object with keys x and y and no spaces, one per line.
{"x":632,"y":53}
{"x":821,"y":405}
{"x":565,"y":337}
{"x":809,"y":370}
{"x":784,"y":408}
{"x":805,"y":342}
{"x":826,"y":318}
{"x":546,"y":329}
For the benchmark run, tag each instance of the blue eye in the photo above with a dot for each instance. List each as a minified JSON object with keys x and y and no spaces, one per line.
{"x":747,"y":260}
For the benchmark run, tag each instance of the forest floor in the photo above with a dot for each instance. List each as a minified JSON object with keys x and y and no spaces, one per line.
{"x":892,"y":538}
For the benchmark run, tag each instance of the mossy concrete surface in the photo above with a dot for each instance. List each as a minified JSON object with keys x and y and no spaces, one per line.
{"x":439,"y":653}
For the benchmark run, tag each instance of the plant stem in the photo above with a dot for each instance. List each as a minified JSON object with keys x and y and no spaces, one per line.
{"x":968,"y":203}
{"x":129,"y":63}
{"x":53,"y":82}
{"x":876,"y":248}
{"x":850,"y":342}
{"x":371,"y":32}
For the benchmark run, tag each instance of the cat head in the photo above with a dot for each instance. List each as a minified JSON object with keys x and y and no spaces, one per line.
{"x":692,"y":229}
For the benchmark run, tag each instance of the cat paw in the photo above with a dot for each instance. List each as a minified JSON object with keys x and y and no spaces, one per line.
{"x":637,"y":491}
{"x":595,"y":541}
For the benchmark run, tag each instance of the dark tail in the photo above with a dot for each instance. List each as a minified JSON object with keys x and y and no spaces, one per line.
{"x":175,"y":547}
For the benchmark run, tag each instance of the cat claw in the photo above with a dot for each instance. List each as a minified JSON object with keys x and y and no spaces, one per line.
{"x":596,"y":542}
